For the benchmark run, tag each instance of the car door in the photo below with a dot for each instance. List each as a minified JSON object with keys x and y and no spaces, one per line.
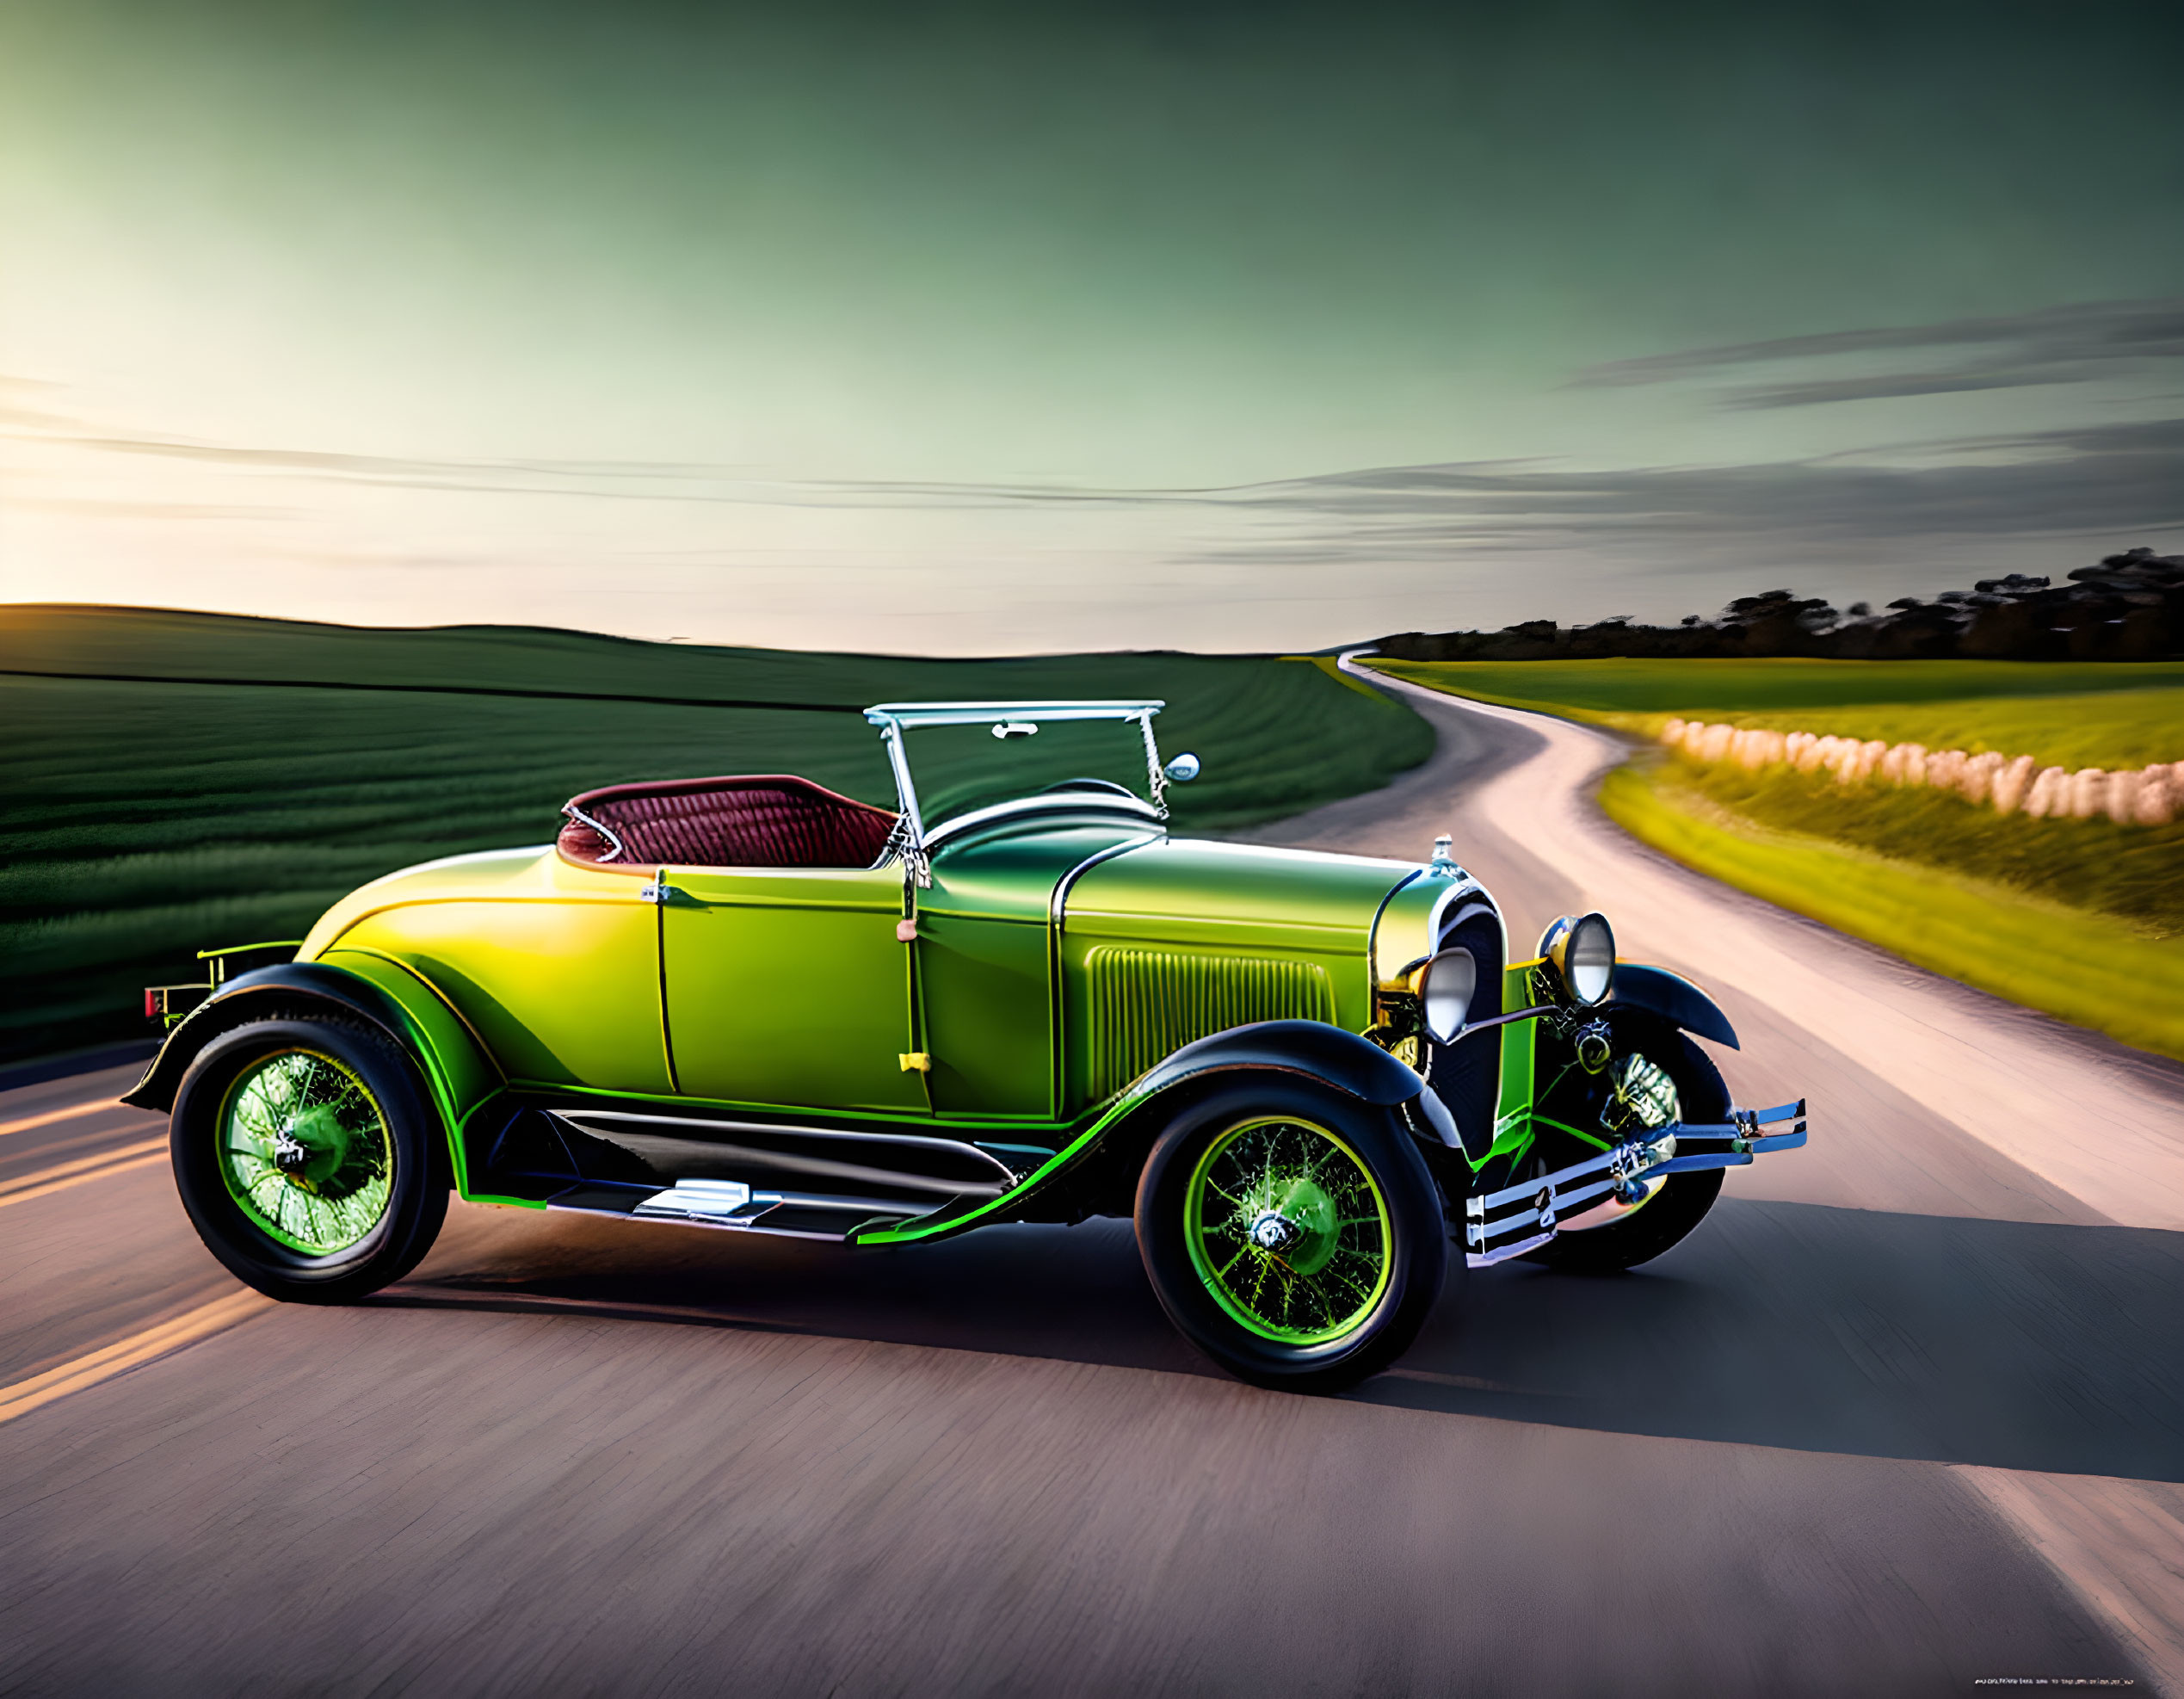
{"x":787,"y":987}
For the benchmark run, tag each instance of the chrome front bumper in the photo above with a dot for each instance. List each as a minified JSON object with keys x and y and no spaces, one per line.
{"x":1539,"y":1208}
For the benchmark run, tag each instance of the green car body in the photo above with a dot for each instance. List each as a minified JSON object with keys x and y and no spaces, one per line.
{"x":993,"y":1018}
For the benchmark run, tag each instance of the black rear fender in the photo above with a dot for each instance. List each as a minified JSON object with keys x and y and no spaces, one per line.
{"x":457,"y":1073}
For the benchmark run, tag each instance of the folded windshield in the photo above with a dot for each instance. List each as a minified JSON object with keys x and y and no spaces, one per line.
{"x":960,"y":768}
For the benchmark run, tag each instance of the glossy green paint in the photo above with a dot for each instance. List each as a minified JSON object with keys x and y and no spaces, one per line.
{"x":787,"y":987}
{"x":459,"y":1069}
{"x":989,"y":974}
{"x":1241,"y":896}
{"x":1221,"y":903}
{"x":1513,"y":1128}
{"x":554,"y":967}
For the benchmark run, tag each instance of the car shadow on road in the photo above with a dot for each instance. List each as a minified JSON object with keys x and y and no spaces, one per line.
{"x":2030,"y":1346}
{"x":2018,"y":1345}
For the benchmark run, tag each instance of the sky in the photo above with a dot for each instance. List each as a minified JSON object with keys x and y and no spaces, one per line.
{"x":979,"y":329}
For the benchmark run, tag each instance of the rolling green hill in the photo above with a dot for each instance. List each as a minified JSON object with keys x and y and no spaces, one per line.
{"x":147,"y":816}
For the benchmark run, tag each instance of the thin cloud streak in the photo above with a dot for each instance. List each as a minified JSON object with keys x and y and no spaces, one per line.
{"x":623,"y":480}
{"x":2089,"y":478}
{"x":2083,"y":342}
{"x":2095,"y":479}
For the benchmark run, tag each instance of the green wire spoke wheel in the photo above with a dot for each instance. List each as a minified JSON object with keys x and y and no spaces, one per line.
{"x":309,"y":1156}
{"x":306,"y":1153}
{"x":1288,"y":1230}
{"x":1292,"y":1232}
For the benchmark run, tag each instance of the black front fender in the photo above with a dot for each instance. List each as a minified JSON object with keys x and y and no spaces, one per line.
{"x":1674,"y":999}
{"x":1332,"y":1055}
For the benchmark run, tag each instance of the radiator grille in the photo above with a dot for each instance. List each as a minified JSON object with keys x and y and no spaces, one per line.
{"x":1145,"y":1004}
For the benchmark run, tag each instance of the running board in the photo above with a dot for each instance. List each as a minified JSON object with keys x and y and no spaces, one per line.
{"x":735,"y":1206}
{"x":1537,"y":1207}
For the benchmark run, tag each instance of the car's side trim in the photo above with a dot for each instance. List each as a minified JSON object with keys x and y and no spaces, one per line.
{"x":697,"y":1128}
{"x":778,"y":1214}
{"x":540,"y":1149}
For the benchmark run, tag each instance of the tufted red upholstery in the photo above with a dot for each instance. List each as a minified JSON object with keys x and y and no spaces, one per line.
{"x":769,"y":821}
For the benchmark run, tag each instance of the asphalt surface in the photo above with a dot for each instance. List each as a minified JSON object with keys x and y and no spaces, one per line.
{"x":1904,"y":1416}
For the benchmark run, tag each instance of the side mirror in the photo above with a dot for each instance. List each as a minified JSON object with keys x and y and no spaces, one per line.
{"x":1183,"y":768}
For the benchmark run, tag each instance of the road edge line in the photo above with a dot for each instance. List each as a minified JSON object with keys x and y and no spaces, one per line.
{"x":123,"y":1355}
{"x":29,"y":1122}
{"x":33,"y":1187}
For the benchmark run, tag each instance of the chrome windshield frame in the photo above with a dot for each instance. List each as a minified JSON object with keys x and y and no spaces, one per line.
{"x":893,"y":719}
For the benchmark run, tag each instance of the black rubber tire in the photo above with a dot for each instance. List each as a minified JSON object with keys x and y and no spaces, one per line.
{"x":418,"y":1201}
{"x":1417,"y":1236}
{"x":1668,"y":1217}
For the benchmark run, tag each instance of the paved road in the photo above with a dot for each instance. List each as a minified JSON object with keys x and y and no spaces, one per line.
{"x":1907,"y":1413}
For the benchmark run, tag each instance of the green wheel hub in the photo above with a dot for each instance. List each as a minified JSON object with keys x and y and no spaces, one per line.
{"x":305,"y":1152}
{"x":1288,"y":1230}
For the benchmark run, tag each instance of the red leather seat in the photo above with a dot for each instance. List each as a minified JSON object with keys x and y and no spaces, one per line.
{"x":772,"y":820}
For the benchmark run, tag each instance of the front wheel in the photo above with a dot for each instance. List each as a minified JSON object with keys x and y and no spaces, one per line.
{"x":1291,"y":1234}
{"x":309,"y":1159}
{"x":1676,"y":1082}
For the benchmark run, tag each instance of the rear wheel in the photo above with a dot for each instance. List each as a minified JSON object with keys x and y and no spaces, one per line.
{"x":1686,"y":1087}
{"x":309,"y":1159}
{"x":1294,"y":1235}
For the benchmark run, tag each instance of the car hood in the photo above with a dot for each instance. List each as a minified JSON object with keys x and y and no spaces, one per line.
{"x":1190,"y":891}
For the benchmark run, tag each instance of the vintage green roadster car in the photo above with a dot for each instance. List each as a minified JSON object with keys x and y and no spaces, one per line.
{"x":755,"y":1004}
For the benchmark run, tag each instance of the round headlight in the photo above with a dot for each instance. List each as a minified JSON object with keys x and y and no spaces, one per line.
{"x":1445,"y":987}
{"x":1582,"y":952}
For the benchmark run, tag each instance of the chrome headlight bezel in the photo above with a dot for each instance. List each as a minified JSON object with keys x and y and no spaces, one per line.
{"x":1581,"y":949}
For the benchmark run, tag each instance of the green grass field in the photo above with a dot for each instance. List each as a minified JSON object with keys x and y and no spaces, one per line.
{"x":2083,"y":918}
{"x":2135,"y":873}
{"x":145,"y":821}
{"x":2110,"y":714}
{"x":2092,"y":968}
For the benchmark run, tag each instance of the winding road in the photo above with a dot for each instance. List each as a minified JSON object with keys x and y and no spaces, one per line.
{"x":1906,"y":1415}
